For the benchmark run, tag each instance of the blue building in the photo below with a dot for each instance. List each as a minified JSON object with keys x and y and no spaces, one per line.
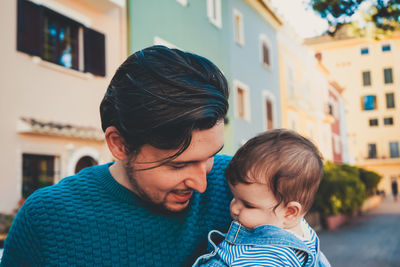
{"x":253,"y":69}
{"x":238,"y":36}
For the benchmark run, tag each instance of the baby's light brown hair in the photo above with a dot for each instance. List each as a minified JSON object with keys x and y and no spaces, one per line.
{"x":289,"y":163}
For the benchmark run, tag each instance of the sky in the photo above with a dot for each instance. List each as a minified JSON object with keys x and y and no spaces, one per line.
{"x":301,"y":17}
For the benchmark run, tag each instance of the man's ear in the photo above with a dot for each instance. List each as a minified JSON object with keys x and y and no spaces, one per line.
{"x":115,"y":143}
{"x":293,"y":211}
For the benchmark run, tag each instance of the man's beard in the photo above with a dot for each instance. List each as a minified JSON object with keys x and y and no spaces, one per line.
{"x":147,"y":201}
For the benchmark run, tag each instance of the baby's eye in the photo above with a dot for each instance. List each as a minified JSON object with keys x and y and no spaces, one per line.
{"x":247,"y":205}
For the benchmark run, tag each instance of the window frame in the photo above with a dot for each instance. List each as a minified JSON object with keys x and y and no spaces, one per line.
{"x":214,"y":8}
{"x":375,"y":103}
{"x":238,"y":28}
{"x":386,"y":51}
{"x":263,"y":39}
{"x":36,"y":159}
{"x":391,"y":154}
{"x":393,"y":100}
{"x":373,"y":125}
{"x":246,"y":100}
{"x":388,"y":121}
{"x":391,"y":75}
{"x":369,"y":78}
{"x":182,"y":2}
{"x":266,"y":95}
{"x":375,"y":150}
{"x":364,"y":47}
{"x":87,"y":59}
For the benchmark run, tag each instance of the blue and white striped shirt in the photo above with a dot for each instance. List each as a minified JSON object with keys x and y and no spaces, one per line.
{"x":266,"y":245}
{"x":267,"y":255}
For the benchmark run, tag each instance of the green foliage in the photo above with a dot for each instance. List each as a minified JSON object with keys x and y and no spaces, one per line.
{"x":370,"y":179}
{"x":5,"y":222}
{"x":384,"y":14}
{"x":341,"y":191}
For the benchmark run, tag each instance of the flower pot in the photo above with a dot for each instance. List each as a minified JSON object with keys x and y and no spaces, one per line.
{"x":334,"y":221}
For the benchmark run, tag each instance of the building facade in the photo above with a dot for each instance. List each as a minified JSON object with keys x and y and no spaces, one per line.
{"x":58,"y":57}
{"x":238,"y":36}
{"x":369,"y":69}
{"x":254,"y":69}
{"x":310,"y":98}
{"x":199,"y":27}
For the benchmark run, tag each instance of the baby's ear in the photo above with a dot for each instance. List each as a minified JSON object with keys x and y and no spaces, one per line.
{"x":293,"y":212}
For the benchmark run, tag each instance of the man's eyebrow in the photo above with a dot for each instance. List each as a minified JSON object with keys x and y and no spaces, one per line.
{"x":195,"y":161}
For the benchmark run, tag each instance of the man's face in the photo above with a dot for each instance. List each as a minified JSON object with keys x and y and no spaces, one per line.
{"x":171,"y":185}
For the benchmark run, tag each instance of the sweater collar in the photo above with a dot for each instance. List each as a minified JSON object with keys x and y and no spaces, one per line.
{"x":115,"y":188}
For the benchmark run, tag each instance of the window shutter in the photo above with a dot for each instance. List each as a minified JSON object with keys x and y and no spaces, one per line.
{"x":30,"y":28}
{"x":94,"y":52}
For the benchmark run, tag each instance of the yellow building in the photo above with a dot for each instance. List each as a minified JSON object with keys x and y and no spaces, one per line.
{"x":305,"y":96}
{"x":370,"y":71}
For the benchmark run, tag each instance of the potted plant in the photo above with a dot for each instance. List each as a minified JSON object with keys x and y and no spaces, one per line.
{"x":341,"y":193}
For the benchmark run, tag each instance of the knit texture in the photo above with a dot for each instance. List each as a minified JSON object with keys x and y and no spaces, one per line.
{"x":91,"y":220}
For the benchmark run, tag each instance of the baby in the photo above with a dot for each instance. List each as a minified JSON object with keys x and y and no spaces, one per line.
{"x":274,"y":178}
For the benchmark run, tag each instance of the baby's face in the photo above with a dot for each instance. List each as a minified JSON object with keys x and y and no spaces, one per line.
{"x":253,"y":205}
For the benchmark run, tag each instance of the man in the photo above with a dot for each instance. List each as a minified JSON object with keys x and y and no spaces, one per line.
{"x":163,"y":121}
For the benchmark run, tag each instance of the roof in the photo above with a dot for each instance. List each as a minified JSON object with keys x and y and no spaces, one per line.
{"x":49,"y":128}
{"x":351,"y":32}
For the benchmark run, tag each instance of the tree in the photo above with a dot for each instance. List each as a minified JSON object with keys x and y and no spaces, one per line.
{"x":384,"y":14}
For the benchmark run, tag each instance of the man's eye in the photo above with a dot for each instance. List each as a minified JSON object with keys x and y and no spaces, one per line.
{"x":177,"y":167}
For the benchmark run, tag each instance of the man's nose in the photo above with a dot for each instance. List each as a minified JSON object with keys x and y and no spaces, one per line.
{"x":197,"y":179}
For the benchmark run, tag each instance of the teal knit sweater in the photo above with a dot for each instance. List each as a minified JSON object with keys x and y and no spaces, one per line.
{"x":91,"y":220}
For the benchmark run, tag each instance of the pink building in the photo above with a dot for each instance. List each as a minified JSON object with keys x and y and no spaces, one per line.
{"x":58,"y":57}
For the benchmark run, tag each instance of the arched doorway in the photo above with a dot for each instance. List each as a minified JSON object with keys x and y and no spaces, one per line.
{"x":84,"y":162}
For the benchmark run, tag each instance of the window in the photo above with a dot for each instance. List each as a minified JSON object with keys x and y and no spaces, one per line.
{"x":372,"y":151}
{"x":265,"y":51}
{"x":364,"y":51}
{"x":241,"y":102}
{"x":330,"y":109}
{"x":58,"y":39}
{"x":182,"y":2}
{"x":242,"y":105}
{"x":390,"y":100}
{"x":60,"y":45}
{"x":388,"y":75}
{"x":37,"y":172}
{"x":238,"y":27}
{"x":386,"y":48}
{"x":336,"y":144}
{"x":369,"y":102}
{"x":394,"y":149}
{"x":373,"y":122}
{"x":388,"y":121}
{"x":269,"y":115}
{"x":214,"y":12}
{"x":366,"y":76}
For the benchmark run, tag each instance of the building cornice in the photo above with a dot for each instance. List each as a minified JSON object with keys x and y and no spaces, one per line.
{"x":266,"y":11}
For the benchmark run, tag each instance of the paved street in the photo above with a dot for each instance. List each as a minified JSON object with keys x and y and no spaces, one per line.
{"x":371,"y":240}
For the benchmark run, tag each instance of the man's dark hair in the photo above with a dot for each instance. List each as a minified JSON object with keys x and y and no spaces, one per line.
{"x":158,"y":96}
{"x":287,"y":162}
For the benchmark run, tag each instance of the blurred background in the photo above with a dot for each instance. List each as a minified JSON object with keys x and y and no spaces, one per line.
{"x":328,"y":69}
